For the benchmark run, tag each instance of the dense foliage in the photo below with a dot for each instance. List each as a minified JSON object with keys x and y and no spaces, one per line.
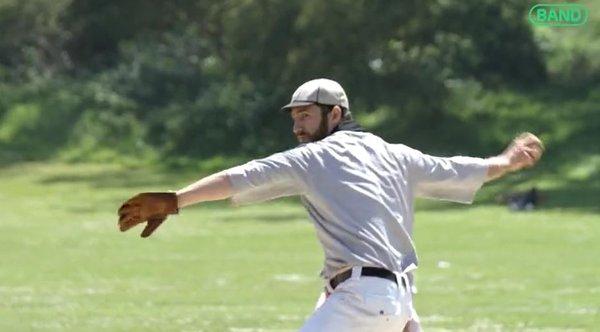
{"x":206,"y":78}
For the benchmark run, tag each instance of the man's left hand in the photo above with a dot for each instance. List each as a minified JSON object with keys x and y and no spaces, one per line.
{"x":151,"y":207}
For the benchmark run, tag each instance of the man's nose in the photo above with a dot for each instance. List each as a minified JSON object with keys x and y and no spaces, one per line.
{"x":296,"y":129}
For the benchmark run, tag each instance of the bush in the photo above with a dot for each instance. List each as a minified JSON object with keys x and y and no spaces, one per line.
{"x":37,"y":118}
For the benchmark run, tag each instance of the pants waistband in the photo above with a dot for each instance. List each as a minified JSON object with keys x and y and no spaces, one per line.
{"x":366,"y":271}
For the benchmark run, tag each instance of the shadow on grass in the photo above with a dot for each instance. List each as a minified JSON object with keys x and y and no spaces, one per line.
{"x":568,"y":192}
{"x":580,"y":194}
{"x":120,"y":178}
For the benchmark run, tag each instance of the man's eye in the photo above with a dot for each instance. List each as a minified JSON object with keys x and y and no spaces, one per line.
{"x":300,"y":116}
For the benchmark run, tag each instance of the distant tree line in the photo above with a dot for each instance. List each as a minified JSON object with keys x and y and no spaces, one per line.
{"x":199,"y":78}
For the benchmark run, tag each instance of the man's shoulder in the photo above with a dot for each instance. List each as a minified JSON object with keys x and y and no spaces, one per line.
{"x":339,"y":141}
{"x":350,"y":135}
{"x":372,"y":141}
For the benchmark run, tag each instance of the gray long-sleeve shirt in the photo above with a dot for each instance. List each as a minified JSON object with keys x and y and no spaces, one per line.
{"x":359,"y":192}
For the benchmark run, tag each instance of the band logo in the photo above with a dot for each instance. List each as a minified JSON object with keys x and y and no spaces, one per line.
{"x":558,"y":15}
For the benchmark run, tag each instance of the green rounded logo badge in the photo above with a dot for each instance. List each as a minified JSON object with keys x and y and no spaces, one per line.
{"x":558,"y":15}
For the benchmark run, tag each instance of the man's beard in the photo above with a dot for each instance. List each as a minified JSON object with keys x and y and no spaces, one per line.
{"x":322,"y":131}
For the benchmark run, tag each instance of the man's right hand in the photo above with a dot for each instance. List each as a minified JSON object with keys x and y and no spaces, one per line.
{"x":524,"y":151}
{"x":151,"y":207}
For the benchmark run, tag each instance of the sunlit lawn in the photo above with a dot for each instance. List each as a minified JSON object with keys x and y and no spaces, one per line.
{"x":65,"y":266}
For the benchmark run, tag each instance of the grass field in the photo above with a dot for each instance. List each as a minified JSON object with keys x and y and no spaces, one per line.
{"x":65,"y":266}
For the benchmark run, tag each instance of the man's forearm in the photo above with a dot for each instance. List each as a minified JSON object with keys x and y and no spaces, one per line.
{"x":497,"y":167}
{"x":210,"y":188}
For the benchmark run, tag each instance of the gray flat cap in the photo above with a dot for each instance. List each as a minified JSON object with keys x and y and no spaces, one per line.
{"x":319,"y":91}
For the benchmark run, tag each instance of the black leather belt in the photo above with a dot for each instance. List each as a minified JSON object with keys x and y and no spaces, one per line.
{"x":367,"y":271}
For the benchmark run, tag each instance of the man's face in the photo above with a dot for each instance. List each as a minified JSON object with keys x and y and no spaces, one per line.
{"x":309,"y":124}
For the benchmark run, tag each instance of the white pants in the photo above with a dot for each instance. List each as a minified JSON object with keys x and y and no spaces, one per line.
{"x":362,"y":304}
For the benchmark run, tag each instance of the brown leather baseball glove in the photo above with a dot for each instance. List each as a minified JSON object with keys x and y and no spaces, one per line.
{"x":151,"y":207}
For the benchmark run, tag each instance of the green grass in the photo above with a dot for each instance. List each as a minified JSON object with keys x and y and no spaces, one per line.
{"x":65,"y":266}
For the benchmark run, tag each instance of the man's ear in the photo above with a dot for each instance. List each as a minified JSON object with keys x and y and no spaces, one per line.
{"x":336,"y":114}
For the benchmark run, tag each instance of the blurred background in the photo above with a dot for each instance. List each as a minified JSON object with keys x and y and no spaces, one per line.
{"x":96,"y":80}
{"x":101,"y":99}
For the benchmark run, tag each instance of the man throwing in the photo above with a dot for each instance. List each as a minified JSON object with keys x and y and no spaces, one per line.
{"x":358,"y":190}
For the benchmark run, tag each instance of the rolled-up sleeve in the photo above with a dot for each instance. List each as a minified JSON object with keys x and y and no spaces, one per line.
{"x":454,"y":179}
{"x":281,"y":174}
